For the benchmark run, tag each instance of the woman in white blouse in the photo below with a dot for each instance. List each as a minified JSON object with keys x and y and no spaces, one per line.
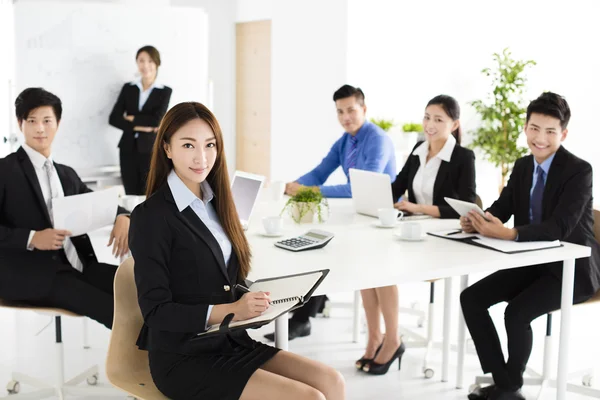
{"x":438,"y":167}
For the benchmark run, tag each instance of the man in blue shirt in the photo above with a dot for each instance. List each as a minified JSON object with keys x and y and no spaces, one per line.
{"x":362,"y":146}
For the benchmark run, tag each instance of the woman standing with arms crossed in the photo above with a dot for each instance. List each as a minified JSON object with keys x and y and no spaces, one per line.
{"x":141,"y":105}
{"x":438,"y":167}
{"x":190,"y":251}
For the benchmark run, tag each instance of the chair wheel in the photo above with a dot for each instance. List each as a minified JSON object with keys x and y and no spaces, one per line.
{"x":474,"y":387}
{"x":429,"y":373}
{"x":587,"y":380}
{"x":13,"y":387}
{"x":92,"y":380}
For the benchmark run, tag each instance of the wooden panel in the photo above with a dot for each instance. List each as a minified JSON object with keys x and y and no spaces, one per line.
{"x":253,"y":97}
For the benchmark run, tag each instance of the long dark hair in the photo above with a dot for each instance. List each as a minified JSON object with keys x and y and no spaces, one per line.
{"x":218,"y":178}
{"x":452,"y":109}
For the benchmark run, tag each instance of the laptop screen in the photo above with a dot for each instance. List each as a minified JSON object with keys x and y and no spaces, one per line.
{"x":245,"y":190}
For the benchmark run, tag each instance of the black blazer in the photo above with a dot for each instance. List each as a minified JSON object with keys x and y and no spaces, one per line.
{"x":567,"y":212}
{"x":455,"y":179}
{"x":151,"y":114}
{"x":24,"y":274}
{"x":179,"y":271}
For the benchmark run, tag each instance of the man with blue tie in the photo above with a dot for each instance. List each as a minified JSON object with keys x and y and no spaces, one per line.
{"x":362,"y":146}
{"x":550,"y":195}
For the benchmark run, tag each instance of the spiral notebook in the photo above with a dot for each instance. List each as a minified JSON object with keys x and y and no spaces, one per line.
{"x":287,"y":293}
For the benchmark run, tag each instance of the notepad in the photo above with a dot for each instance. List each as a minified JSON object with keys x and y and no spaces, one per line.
{"x":287,"y":293}
{"x":504,"y":246}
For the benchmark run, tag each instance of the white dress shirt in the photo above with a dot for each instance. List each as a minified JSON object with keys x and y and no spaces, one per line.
{"x":425,"y":177}
{"x":144,"y":94}
{"x":38,"y":161}
{"x":204,"y":210}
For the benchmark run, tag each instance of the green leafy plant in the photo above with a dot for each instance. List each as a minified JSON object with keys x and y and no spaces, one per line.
{"x":385,"y":124}
{"x":305,"y":201}
{"x":502,"y":113}
{"x":412,"y":127}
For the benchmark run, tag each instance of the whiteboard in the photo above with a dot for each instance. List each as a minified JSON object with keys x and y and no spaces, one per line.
{"x":84,"y":53}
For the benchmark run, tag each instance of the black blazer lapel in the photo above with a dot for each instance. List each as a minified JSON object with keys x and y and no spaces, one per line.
{"x":189,"y":217}
{"x":67,"y":185}
{"x":33,"y":181}
{"x":553,"y":179}
{"x":441,"y":177}
{"x":154,"y":94}
{"x":524,"y":197}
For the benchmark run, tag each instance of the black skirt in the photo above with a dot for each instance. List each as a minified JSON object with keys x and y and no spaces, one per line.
{"x":210,"y":376}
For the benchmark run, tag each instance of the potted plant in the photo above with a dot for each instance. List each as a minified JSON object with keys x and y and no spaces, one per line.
{"x":305,"y":205}
{"x":411,"y":130}
{"x":502,"y":113}
{"x":385,"y":124}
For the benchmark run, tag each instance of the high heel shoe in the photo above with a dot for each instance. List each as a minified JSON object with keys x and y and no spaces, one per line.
{"x":360,"y":363}
{"x":374,"y":368}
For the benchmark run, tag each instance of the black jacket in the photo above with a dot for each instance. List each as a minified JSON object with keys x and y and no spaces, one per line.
{"x":455,"y":179}
{"x":567,"y":212}
{"x":151,"y":114}
{"x":24,"y":274}
{"x":179,"y":272}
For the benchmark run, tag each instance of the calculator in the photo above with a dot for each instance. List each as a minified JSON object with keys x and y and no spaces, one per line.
{"x":313,"y":239}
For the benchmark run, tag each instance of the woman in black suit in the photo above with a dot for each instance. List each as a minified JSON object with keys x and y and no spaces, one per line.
{"x":137,"y":112}
{"x":438,"y":167}
{"x":190,"y":251}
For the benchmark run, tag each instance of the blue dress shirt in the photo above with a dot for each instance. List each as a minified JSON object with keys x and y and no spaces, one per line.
{"x":375,"y":152}
{"x":204,"y":210}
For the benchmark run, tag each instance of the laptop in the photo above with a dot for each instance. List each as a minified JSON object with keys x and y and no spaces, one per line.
{"x":245,"y":189}
{"x":372,"y":191}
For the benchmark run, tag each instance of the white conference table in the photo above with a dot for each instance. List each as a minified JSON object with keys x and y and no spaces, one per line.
{"x":363,"y":256}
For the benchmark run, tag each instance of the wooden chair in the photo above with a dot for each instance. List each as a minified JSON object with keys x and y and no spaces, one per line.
{"x":127,"y":366}
{"x":544,"y":379}
{"x":60,"y":387}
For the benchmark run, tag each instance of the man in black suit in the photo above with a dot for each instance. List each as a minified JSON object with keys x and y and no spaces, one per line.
{"x":40,"y":265}
{"x":550,"y":196}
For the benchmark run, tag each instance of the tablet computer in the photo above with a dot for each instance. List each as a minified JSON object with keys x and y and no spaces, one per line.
{"x":464,"y":207}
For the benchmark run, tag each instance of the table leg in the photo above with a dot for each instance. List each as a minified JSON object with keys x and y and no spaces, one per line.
{"x":565,"y":328}
{"x":281,"y":332}
{"x":462,"y":339}
{"x":356,"y":317}
{"x":447,"y":320}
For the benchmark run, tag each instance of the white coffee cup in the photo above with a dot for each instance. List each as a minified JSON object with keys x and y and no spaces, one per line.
{"x":277,"y":190}
{"x":411,"y":230}
{"x":273,"y":225}
{"x":389,"y":216}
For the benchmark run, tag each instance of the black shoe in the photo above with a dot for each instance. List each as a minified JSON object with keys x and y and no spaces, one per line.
{"x":361,"y":362}
{"x":381,"y":369}
{"x":482,"y":393}
{"x":295,"y":329}
{"x":502,"y":394}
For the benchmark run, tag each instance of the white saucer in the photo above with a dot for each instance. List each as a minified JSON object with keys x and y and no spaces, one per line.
{"x":271,"y":235}
{"x":399,"y":236}
{"x":379,"y":225}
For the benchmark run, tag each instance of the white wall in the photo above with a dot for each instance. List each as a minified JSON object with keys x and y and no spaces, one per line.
{"x":7,"y":74}
{"x":254,"y":10}
{"x":308,"y":65}
{"x":221,"y":65}
{"x":404,"y":53}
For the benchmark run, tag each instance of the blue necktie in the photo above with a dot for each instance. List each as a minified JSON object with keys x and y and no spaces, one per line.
{"x":351,"y":155}
{"x":537,"y":196}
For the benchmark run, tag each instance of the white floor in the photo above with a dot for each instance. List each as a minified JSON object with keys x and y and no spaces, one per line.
{"x":330,"y":343}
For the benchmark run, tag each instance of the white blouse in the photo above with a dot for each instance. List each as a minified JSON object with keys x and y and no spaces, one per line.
{"x":428,"y":170}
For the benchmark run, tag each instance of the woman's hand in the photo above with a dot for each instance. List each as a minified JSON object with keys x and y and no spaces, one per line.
{"x":407,"y":206}
{"x":129,"y":117}
{"x":251,"y":305}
